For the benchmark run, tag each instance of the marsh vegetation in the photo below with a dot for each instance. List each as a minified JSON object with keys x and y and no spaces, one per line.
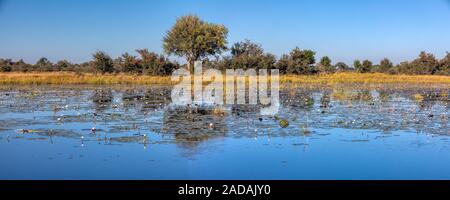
{"x":92,"y":131}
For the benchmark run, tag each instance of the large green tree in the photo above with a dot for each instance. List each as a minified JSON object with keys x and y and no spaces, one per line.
{"x":102,"y":62}
{"x":341,"y":66}
{"x":297,"y":62}
{"x":366,"y":66}
{"x":130,"y":64}
{"x":195,"y":39}
{"x":426,"y":63}
{"x":21,"y":66}
{"x":247,"y":54}
{"x":63,"y":65}
{"x":357,"y":65}
{"x":43,"y":64}
{"x":444,"y":65}
{"x":246,"y":47}
{"x":385,"y":66}
{"x":325,"y":66}
{"x":154,"y":64}
{"x":6,"y":65}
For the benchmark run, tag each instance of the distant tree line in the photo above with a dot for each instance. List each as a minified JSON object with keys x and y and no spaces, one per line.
{"x":195,"y":39}
{"x":243,"y":55}
{"x":147,"y":63}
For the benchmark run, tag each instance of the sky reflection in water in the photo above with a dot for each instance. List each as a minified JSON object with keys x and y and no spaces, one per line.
{"x":342,"y":132}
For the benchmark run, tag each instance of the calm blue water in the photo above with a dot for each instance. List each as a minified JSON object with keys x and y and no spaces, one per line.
{"x":334,"y":133}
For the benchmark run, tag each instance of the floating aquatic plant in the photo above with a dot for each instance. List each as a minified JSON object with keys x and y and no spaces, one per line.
{"x":284,"y":123}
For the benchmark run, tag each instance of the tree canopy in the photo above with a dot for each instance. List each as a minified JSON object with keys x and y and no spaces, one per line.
{"x":341,"y":66}
{"x":247,"y":54}
{"x":298,"y":62}
{"x":102,"y":62}
{"x":325,"y":65}
{"x":194,"y":39}
{"x":385,"y":65}
{"x":444,"y":65}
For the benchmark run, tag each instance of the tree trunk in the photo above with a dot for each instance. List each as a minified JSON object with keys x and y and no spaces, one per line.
{"x":191,"y":70}
{"x":191,"y":65}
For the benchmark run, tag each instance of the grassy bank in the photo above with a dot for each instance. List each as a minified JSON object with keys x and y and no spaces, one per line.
{"x":73,"y":78}
{"x":56,"y":78}
{"x":338,"y":78}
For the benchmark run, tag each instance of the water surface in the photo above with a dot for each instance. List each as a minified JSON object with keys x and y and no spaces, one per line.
{"x":132,"y":132}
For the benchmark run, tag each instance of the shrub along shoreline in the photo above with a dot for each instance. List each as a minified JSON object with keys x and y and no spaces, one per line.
{"x":63,"y":78}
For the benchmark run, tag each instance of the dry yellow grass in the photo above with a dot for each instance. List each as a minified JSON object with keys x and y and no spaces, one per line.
{"x":110,"y":79}
{"x":339,"y":78}
{"x":73,"y":78}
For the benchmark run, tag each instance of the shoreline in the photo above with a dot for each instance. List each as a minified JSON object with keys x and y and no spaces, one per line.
{"x":72,"y":78}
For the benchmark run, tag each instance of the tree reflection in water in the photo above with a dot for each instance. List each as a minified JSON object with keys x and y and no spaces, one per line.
{"x":127,"y":113}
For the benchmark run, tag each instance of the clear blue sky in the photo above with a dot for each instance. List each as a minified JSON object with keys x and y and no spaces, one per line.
{"x":344,"y":30}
